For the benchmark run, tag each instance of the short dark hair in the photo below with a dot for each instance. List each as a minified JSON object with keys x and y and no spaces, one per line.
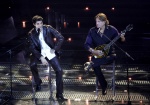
{"x":37,"y":18}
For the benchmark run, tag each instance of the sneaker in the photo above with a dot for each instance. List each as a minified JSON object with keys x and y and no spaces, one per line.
{"x":104,"y":91}
{"x":88,"y":66}
{"x":38,"y":88}
{"x":61,"y":97}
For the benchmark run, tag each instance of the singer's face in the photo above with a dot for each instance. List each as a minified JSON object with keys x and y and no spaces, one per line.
{"x":99,"y":23}
{"x":38,"y":24}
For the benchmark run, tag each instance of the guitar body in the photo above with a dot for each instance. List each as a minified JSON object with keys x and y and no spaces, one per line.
{"x":101,"y":47}
{"x":106,"y":47}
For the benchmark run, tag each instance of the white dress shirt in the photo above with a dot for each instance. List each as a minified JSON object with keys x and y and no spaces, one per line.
{"x":45,"y":49}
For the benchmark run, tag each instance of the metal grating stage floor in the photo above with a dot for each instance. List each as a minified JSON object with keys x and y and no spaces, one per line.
{"x":79,"y":88}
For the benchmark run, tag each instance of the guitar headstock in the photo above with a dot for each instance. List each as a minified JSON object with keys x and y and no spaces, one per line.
{"x":128,"y":28}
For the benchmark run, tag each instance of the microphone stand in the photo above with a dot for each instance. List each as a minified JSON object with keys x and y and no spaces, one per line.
{"x":128,"y":88}
{"x":10,"y":68}
{"x":129,"y":56}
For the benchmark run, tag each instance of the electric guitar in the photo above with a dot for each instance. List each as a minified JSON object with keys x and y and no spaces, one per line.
{"x":105,"y":47}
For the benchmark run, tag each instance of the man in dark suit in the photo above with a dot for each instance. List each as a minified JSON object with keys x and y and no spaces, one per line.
{"x":101,"y":35}
{"x":43,"y":48}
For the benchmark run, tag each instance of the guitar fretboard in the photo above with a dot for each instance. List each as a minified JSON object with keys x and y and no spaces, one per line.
{"x":111,"y":43}
{"x":128,"y":28}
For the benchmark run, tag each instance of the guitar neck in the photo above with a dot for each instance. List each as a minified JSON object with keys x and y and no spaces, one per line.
{"x":128,"y":28}
{"x":112,"y":42}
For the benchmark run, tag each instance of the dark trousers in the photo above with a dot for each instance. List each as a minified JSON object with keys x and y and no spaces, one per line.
{"x":97,"y":69}
{"x":57,"y":68}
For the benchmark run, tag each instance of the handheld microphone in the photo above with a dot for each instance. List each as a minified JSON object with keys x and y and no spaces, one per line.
{"x":98,"y":30}
{"x":38,"y":31}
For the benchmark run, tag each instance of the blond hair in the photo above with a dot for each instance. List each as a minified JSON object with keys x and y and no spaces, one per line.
{"x":102,"y":17}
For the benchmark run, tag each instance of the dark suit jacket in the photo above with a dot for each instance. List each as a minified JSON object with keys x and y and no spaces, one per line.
{"x":49,"y":33}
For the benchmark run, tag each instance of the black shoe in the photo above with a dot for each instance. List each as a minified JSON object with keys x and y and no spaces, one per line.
{"x":38,"y":87}
{"x":104,"y":91}
{"x":61,"y":98}
{"x":88,"y":66}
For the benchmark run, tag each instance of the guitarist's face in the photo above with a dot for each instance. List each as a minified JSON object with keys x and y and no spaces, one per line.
{"x":100,"y":23}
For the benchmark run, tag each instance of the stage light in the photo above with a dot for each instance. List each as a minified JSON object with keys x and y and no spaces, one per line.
{"x":65,"y":24}
{"x":80,"y":78}
{"x":112,"y":8}
{"x":87,"y":102}
{"x":46,"y":77}
{"x":87,"y":8}
{"x":90,"y":57}
{"x":78,"y":24}
{"x":141,"y":102}
{"x":69,"y":39}
{"x":130,"y":79}
{"x":77,"y":99}
{"x":69,"y":102}
{"x":48,"y":8}
{"x":30,"y":77}
{"x":55,"y":39}
{"x":24,"y":24}
{"x":125,"y":91}
{"x":122,"y":101}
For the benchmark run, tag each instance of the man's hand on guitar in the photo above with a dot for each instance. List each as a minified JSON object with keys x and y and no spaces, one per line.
{"x":98,"y":52}
{"x":122,"y":37}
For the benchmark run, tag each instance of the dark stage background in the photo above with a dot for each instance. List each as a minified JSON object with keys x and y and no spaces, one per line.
{"x":73,"y":20}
